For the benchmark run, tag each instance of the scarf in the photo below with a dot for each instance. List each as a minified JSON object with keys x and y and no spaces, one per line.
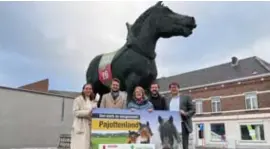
{"x":140,"y":101}
{"x":115,"y":94}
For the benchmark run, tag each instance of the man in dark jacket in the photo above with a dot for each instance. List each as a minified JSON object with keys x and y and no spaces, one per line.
{"x":183,"y":104}
{"x":155,"y":98}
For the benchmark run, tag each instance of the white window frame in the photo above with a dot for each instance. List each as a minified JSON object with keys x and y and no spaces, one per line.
{"x":252,"y":96}
{"x":252,"y":123}
{"x":199,"y":105}
{"x":213,"y":139}
{"x":216,"y":100}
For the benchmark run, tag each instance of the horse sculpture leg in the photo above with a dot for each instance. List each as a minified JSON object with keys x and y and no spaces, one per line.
{"x":131,"y":82}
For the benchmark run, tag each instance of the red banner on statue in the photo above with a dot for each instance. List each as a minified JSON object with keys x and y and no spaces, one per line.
{"x":105,"y":68}
{"x":105,"y":75}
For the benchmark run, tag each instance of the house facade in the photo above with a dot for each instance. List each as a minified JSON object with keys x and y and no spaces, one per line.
{"x":232,"y":103}
{"x":33,"y":119}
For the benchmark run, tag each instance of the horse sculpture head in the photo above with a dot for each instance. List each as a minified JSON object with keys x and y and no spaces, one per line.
{"x":132,"y":137}
{"x":158,"y":21}
{"x":145,"y":132}
{"x":167,"y":132}
{"x":161,"y":21}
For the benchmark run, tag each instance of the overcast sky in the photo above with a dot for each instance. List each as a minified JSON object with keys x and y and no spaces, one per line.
{"x":57,"y":40}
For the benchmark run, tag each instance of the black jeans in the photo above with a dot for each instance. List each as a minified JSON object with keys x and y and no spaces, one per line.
{"x":185,"y":136}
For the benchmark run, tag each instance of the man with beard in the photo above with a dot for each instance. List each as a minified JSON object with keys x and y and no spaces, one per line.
{"x":114,"y":99}
{"x":155,"y":98}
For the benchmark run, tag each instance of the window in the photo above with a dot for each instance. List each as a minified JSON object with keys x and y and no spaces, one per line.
{"x":216,"y":106}
{"x":252,"y":132}
{"x":217,"y":131}
{"x":199,"y":106}
{"x":251,"y":101}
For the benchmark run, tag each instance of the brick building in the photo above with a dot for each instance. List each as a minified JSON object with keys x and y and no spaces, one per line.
{"x":43,"y":86}
{"x":232,"y":103}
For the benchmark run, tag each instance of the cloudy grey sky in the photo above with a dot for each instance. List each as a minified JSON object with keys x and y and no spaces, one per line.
{"x":57,"y":40}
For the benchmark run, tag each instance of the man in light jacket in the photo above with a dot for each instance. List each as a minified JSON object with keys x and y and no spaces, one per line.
{"x":114,"y":99}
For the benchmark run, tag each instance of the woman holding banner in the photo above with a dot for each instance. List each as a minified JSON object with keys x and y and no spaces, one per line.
{"x":139,"y":101}
{"x":82,"y":109}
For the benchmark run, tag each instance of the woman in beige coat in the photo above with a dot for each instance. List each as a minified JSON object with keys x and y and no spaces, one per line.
{"x":82,"y":109}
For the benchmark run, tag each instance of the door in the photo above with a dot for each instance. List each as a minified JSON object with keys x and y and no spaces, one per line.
{"x":200,"y":134}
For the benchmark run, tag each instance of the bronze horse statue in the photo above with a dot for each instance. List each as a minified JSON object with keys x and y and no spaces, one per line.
{"x":134,"y":64}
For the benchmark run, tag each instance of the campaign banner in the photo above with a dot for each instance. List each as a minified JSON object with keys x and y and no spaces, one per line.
{"x":139,"y":129}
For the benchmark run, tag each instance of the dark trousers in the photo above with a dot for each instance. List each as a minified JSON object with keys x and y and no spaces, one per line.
{"x":185,"y":137}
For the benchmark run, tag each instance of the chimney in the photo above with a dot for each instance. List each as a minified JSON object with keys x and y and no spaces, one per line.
{"x":234,"y":61}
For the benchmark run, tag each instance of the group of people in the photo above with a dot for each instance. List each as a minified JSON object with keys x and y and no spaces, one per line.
{"x":85,"y":103}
